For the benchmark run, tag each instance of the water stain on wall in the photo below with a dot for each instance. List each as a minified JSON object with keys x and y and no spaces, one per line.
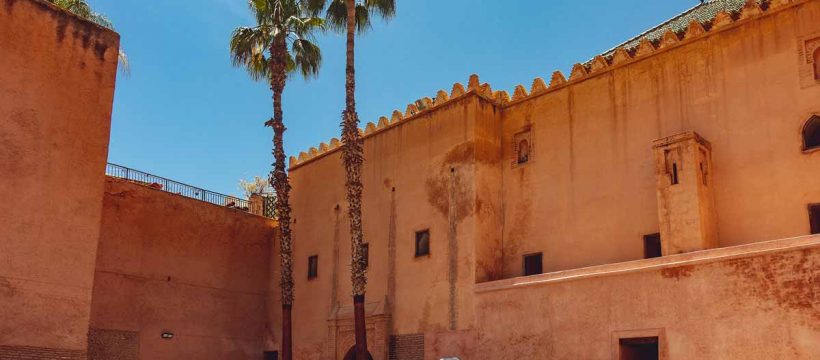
{"x":790,"y":282}
{"x":678,"y":273}
{"x":438,"y":186}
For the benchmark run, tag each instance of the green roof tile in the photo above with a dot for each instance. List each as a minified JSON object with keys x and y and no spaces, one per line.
{"x":703,"y":13}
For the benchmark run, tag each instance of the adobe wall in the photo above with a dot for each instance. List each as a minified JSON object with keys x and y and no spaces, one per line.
{"x":56,"y":93}
{"x":586,"y":196}
{"x":589,"y":194}
{"x":421,"y":174}
{"x":753,"y":302}
{"x":168,"y":263}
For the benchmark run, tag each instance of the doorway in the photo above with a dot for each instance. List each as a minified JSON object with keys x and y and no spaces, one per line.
{"x":639,"y":348}
{"x":351,"y":354}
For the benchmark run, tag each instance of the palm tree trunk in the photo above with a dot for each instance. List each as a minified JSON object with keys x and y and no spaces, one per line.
{"x":353,"y":158}
{"x":279,"y":179}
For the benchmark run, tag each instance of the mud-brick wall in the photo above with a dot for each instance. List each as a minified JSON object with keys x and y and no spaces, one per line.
{"x":171,"y":264}
{"x":754,"y":302}
{"x":57,"y":76}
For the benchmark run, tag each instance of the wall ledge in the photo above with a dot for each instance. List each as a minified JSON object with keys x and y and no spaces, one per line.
{"x":693,"y":258}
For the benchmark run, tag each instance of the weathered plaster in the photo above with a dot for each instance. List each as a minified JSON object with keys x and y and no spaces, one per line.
{"x":55,"y":116}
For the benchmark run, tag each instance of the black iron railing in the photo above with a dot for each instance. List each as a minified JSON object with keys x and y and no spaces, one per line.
{"x":161,"y":183}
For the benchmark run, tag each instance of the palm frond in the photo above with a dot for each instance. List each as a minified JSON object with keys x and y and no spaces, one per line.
{"x":125,"y":66}
{"x":386,"y":9}
{"x":307,"y":57}
{"x":336,"y":15}
{"x":362,"y":19}
{"x":313,"y":8}
{"x":250,"y":47}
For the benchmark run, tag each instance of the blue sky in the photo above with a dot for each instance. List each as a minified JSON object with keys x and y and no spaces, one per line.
{"x":186,"y":114}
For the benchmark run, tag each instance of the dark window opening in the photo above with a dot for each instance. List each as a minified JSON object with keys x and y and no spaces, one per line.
{"x":817,"y":64}
{"x":639,"y":349}
{"x":271,"y":355}
{"x":523,"y":151}
{"x":674,"y":174}
{"x":366,"y":254}
{"x":533,"y":264}
{"x":313,"y":267}
{"x":811,"y":133}
{"x":814,"y":217}
{"x":422,"y":243}
{"x":652,"y":246}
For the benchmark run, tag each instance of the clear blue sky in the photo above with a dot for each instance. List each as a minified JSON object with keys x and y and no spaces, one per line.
{"x":186,"y":114}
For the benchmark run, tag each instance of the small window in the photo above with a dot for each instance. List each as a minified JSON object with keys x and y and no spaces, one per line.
{"x":671,"y":157}
{"x":366,"y":254}
{"x":814,"y":217}
{"x":652,"y":246}
{"x":271,"y":355}
{"x":639,"y":349}
{"x":811,"y":133}
{"x":674,"y":175}
{"x":817,"y":64}
{"x":533,"y":264}
{"x":422,"y":243}
{"x":313,"y":267}
{"x":523,"y":151}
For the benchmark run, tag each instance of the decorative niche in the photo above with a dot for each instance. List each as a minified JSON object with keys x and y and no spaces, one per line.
{"x":522,"y":153}
{"x":809,"y":53}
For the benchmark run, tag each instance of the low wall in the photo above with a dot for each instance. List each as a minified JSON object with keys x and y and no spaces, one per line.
{"x":171,"y":264}
{"x":57,"y":76}
{"x":756,"y":301}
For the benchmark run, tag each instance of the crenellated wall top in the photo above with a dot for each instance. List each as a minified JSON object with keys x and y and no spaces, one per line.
{"x":719,"y":14}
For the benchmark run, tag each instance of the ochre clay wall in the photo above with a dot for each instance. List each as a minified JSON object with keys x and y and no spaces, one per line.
{"x":752,"y":302}
{"x":589,"y":195}
{"x":167,"y":263}
{"x":419,"y":175}
{"x":57,"y":77}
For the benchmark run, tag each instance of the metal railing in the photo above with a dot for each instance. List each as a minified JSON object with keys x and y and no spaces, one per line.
{"x":167,"y":185}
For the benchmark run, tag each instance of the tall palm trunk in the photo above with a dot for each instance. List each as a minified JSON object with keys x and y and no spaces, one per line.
{"x":279,"y":178}
{"x":353,"y":157}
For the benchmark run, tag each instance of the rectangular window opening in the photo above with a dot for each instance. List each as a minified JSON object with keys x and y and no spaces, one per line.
{"x":674,"y":174}
{"x":533,"y":264}
{"x":422,"y":243}
{"x":271,"y":355}
{"x":639,"y":349}
{"x":652,"y":246}
{"x":313,"y":267}
{"x":814,"y":218}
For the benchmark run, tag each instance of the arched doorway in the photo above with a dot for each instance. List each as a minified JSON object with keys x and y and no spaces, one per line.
{"x":351,"y":354}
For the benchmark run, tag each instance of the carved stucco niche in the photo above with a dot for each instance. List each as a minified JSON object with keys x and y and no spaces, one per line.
{"x":809,"y":55}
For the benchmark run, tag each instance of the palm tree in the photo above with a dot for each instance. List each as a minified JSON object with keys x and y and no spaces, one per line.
{"x":82,"y":9}
{"x":279,"y":45}
{"x":352,"y":16}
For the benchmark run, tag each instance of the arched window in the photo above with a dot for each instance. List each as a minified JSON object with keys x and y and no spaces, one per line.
{"x":817,"y":64}
{"x":811,"y":133}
